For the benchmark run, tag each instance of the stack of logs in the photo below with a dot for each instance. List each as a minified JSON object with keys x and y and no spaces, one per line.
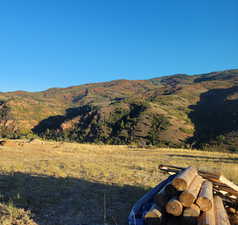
{"x":192,"y":197}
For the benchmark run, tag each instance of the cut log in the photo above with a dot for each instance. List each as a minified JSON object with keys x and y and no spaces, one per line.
{"x":174,"y":207}
{"x":188,"y":197}
{"x":216,"y":178}
{"x":190,"y":215}
{"x":183,"y":180}
{"x":205,"y":197}
{"x":207,"y":218}
{"x":153,"y":216}
{"x":192,"y":211}
{"x":220,"y":212}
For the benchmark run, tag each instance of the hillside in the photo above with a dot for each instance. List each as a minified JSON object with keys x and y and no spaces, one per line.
{"x":176,"y":111}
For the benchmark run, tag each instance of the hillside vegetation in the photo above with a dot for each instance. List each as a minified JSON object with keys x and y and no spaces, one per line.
{"x":177,"y":111}
{"x":56,"y":183}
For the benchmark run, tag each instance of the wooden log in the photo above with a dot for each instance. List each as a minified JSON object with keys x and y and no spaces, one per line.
{"x":192,"y":211}
{"x":220,"y":212}
{"x":188,"y":197}
{"x":205,"y":197}
{"x":207,"y":217}
{"x":190,"y":215}
{"x":174,"y":207}
{"x":153,"y":216}
{"x":216,"y":178}
{"x":183,"y":180}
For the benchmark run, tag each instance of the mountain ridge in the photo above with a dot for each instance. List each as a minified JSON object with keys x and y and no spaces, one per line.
{"x":165,"y":111}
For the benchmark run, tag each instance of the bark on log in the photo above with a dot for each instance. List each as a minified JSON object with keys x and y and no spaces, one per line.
{"x":183,"y":180}
{"x":205,"y":197}
{"x":220,"y":212}
{"x":174,"y":207}
{"x":188,"y":197}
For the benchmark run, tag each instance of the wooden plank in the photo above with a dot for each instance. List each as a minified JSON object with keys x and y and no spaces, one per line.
{"x":174,"y":207}
{"x":205,"y":197}
{"x":220,"y":212}
{"x":183,"y":180}
{"x":228,"y":183}
{"x":188,"y":197}
{"x":223,"y":187}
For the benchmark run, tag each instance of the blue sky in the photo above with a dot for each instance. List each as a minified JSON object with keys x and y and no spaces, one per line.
{"x":60,"y":43}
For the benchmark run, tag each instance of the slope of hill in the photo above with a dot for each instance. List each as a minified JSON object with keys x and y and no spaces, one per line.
{"x":176,"y":110}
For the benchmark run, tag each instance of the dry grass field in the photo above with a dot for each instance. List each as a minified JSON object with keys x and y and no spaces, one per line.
{"x":74,"y":184}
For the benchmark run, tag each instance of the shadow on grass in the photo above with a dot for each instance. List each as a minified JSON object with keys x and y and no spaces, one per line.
{"x":200,"y":157}
{"x":69,"y":201}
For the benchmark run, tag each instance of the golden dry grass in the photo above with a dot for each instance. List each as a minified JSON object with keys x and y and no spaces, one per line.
{"x":69,"y":183}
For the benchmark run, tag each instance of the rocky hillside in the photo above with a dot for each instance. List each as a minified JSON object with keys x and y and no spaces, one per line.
{"x":178,"y":110}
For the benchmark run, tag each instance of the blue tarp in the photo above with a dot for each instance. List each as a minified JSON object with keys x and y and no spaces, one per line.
{"x":144,"y":204}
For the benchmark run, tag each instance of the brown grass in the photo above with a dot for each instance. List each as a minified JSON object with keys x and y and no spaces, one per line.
{"x":69,"y":183}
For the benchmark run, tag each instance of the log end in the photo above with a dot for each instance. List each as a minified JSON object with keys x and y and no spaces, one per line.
{"x":204,"y":204}
{"x":186,"y":199}
{"x":174,"y":207}
{"x":179,"y":184}
{"x":192,"y":211}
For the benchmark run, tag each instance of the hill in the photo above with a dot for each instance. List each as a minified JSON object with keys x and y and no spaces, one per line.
{"x":176,"y":111}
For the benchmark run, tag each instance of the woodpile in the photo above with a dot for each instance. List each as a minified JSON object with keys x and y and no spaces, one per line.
{"x":194,"y":197}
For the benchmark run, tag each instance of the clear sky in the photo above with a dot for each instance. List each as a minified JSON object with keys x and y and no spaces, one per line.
{"x":60,"y":43}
